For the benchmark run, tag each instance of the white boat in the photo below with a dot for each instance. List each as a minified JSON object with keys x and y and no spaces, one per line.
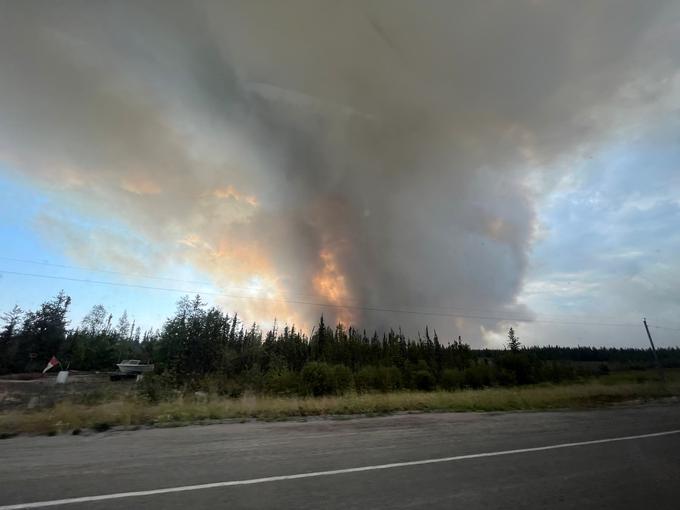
{"x":134,"y":366}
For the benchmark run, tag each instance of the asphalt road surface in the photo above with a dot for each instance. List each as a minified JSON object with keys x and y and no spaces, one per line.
{"x":586,"y":459}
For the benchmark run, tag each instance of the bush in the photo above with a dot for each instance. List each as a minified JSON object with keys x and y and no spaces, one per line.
{"x":389,"y":378}
{"x":557,"y":372}
{"x":318,"y":379}
{"x":505,"y":377}
{"x":423,"y":380}
{"x":283,"y":382}
{"x":216,"y":384}
{"x":343,"y":378}
{"x":156,"y":387}
{"x":517,"y":368}
{"x":230,"y":387}
{"x":364,"y":379}
{"x":477,"y":376}
{"x":378,"y":378}
{"x":452,"y":379}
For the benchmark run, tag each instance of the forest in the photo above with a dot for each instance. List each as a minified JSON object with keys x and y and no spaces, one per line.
{"x":202,"y":348}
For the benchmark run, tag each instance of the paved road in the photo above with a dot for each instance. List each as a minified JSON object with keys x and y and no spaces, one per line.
{"x":632,"y":473}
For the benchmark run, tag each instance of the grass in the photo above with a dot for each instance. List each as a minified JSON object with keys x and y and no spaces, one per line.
{"x":69,"y":416}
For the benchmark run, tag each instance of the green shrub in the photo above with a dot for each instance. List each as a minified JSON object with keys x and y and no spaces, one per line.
{"x":378,"y":378}
{"x":423,"y":380}
{"x":156,"y":387}
{"x":253,"y":379}
{"x":517,"y":367}
{"x":342,"y":378}
{"x":603,"y":369}
{"x":318,"y":379}
{"x":452,"y":379}
{"x":389,"y":378}
{"x":214,"y":384}
{"x":505,"y":377}
{"x":364,"y":379}
{"x":477,"y":375}
{"x":229,"y":387}
{"x":556,"y":372}
{"x":283,"y":382}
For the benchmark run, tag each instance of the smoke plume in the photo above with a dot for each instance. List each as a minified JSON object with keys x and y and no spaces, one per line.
{"x":380,"y":154}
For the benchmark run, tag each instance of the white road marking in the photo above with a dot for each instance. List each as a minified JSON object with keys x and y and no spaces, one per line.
{"x":185,"y":488}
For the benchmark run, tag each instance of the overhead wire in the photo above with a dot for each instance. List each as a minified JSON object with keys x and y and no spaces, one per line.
{"x":450,"y":310}
{"x":403,"y":311}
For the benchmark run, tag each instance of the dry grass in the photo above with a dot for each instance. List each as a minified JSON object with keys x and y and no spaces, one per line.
{"x":68,"y":416}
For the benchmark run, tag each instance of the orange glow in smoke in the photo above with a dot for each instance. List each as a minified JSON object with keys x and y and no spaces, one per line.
{"x":140,"y":185}
{"x":248,"y":280}
{"x":330,"y":283}
{"x":245,"y":259}
{"x":229,"y":192}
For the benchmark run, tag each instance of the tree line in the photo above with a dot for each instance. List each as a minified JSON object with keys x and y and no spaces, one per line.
{"x":202,"y":348}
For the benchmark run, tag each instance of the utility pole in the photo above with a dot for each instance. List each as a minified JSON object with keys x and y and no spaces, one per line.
{"x":651,"y":342}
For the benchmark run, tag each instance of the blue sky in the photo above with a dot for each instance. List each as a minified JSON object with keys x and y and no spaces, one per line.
{"x":612,"y":234}
{"x":27,"y":249}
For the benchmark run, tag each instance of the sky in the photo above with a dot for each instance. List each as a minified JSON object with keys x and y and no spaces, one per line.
{"x":467,"y":166}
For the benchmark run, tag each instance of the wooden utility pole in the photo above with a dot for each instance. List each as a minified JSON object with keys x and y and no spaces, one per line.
{"x":651,"y":342}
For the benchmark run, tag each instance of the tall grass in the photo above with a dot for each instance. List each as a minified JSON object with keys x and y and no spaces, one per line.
{"x":133,"y":411}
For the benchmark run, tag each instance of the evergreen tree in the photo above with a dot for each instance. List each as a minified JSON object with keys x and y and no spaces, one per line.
{"x":513,"y":341}
{"x":43,"y":333}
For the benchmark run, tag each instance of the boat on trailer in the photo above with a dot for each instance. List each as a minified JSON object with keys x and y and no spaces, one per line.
{"x":134,"y":366}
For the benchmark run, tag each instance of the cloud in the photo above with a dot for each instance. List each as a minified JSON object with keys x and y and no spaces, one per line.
{"x":230,"y":193}
{"x":610,"y":250}
{"x":140,"y":186}
{"x":381,"y":153}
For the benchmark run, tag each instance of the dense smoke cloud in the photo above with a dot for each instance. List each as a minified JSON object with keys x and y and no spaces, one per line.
{"x":383,"y":154}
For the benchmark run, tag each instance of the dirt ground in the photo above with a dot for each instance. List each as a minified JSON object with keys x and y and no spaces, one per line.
{"x":21,"y":391}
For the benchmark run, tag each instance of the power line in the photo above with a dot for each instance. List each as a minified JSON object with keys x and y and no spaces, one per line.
{"x":448,"y":309}
{"x":664,"y":327}
{"x":106,"y":271}
{"x":129,"y":275}
{"x":324,"y":305}
{"x":177,"y":280}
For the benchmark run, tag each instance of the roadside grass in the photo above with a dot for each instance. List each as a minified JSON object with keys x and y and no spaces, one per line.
{"x":73,"y":416}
